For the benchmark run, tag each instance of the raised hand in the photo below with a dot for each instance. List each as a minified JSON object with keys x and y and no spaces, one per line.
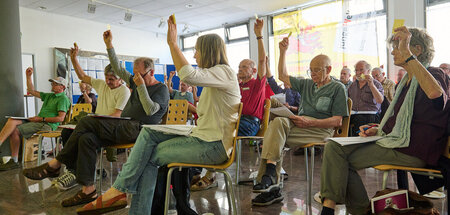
{"x":74,"y":51}
{"x":403,"y":36}
{"x":171,"y":31}
{"x":258,"y":27}
{"x":284,"y":45}
{"x":138,"y":80}
{"x":29,"y":72}
{"x":107,"y":38}
{"x":172,"y":73}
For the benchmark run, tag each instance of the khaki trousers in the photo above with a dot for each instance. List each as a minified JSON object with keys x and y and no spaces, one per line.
{"x":282,"y":131}
{"x":339,"y":180}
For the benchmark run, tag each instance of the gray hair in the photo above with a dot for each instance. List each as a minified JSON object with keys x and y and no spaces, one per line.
{"x":423,"y":39}
{"x":366,"y":65}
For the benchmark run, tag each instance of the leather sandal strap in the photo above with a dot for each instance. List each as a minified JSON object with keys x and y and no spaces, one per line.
{"x":99,"y":203}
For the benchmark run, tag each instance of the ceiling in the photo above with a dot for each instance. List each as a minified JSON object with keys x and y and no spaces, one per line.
{"x":203,"y":15}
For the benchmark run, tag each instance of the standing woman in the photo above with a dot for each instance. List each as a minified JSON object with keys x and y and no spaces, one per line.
{"x":211,"y":142}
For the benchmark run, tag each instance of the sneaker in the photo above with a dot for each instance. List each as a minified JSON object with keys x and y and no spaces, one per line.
{"x":9,"y":165}
{"x":268,"y":198}
{"x":264,"y":186}
{"x":66,"y":181}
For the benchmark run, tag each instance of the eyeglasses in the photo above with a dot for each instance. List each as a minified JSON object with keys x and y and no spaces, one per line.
{"x":310,"y":71}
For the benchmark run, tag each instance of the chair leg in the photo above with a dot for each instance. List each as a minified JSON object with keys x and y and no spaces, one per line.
{"x":39,"y":159}
{"x":308,"y":191}
{"x":385,"y":177}
{"x":311,"y":180}
{"x":101,"y":171}
{"x":238,"y":160}
{"x":111,"y":173}
{"x":168,"y":182}
{"x":53,"y":147}
{"x":24,"y":143}
{"x":229,"y":187}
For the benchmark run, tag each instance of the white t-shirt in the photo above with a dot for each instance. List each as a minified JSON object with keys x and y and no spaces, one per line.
{"x":109,"y":99}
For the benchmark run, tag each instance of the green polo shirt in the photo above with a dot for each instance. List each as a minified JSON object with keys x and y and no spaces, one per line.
{"x":320,"y":103}
{"x":53,"y":103}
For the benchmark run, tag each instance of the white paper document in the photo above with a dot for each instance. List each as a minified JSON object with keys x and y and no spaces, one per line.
{"x":108,"y":117}
{"x":280,"y":97}
{"x":71,"y":127}
{"x":16,"y":117}
{"x":344,"y":141}
{"x":184,"y":130}
{"x":281,"y":111}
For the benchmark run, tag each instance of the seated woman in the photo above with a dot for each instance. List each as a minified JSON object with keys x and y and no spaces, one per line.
{"x":210,"y":142}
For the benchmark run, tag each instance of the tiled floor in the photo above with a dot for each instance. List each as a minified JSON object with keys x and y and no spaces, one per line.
{"x":23,"y":196}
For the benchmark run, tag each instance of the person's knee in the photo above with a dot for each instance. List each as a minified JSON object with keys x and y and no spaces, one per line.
{"x":331,"y":148}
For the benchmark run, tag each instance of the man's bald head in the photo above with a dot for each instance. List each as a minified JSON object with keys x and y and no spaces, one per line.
{"x":321,"y":60}
{"x":320,"y":67}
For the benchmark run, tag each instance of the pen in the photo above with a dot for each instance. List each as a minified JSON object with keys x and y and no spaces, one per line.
{"x":367,"y":128}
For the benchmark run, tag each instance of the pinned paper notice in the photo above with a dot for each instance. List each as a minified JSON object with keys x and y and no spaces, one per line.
{"x":398,"y":23}
{"x":108,"y":27}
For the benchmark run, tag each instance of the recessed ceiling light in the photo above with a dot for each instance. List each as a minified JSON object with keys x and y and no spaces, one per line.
{"x":189,"y":5}
{"x":42,"y":8}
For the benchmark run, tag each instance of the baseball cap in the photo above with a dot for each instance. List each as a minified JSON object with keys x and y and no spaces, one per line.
{"x":59,"y":80}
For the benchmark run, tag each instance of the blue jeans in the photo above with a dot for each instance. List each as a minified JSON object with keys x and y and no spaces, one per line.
{"x":154,"y":149}
{"x":248,"y":127}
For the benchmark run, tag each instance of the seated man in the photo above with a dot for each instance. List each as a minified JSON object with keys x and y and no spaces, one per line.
{"x":388,"y":84}
{"x":52,"y":113}
{"x":324,"y":103}
{"x":414,"y":127}
{"x":367,"y":95}
{"x":346,"y":73}
{"x":87,"y":96}
{"x":112,"y":98}
{"x":181,"y":94}
{"x":147,"y":104}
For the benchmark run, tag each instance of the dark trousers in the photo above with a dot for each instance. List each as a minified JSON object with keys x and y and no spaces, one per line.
{"x":358,"y":120}
{"x":80,"y":150}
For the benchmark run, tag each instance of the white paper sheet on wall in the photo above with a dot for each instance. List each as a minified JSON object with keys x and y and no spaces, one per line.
{"x":101,"y":75}
{"x":76,"y":89}
{"x":92,"y":74}
{"x":75,"y":77}
{"x":99,"y":64}
{"x":159,"y":69}
{"x":83,"y":63}
{"x":91,"y":64}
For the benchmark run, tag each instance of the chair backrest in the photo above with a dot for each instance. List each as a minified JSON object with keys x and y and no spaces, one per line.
{"x":233,"y":153}
{"x":265,"y":122}
{"x":68,"y":116}
{"x":78,"y":108}
{"x":342,"y":131}
{"x":177,"y":112}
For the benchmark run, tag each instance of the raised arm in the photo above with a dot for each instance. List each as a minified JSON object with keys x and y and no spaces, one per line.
{"x":177,"y":56}
{"x":261,"y":51}
{"x":426,"y":81}
{"x":76,"y":65}
{"x":169,"y":81}
{"x":30,"y":87}
{"x":117,"y":68}
{"x":282,"y":72}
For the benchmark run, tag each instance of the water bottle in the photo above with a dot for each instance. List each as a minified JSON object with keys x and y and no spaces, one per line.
{"x":172,"y":202}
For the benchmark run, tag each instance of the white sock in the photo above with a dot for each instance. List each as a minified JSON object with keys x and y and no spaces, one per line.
{"x":15,"y":159}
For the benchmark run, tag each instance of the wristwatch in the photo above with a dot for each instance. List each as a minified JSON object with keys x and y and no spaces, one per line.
{"x":413,"y":57}
{"x":43,"y":119}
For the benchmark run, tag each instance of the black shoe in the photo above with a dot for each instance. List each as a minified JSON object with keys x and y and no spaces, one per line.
{"x":269,"y":198}
{"x":104,"y":173}
{"x":9,"y":165}
{"x":265,"y":187}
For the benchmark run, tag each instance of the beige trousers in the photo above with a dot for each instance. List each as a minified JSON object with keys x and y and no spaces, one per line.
{"x":282,"y":131}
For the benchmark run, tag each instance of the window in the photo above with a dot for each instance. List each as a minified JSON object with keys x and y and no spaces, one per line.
{"x":237,"y":32}
{"x":346,"y":31}
{"x":236,"y":52}
{"x":439,"y":28}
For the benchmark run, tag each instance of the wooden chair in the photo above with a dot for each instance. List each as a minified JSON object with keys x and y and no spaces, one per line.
{"x":218,"y":168}
{"x":177,"y":112}
{"x":259,"y":136}
{"x":341,"y":131}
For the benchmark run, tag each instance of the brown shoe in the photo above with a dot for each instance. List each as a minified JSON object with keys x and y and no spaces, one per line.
{"x":102,"y":207}
{"x":79,"y":199}
{"x":41,"y":172}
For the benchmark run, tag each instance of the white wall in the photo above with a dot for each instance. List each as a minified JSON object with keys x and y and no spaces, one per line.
{"x":42,"y":31}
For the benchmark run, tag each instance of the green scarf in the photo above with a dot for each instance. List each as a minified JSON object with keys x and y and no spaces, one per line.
{"x":400,"y":135}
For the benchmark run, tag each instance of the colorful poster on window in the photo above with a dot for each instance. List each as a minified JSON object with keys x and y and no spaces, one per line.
{"x":328,"y":29}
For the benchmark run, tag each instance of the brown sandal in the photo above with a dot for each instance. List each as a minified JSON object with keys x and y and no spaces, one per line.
{"x":79,"y":198}
{"x":204,"y":183}
{"x":41,"y":172}
{"x":102,"y":207}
